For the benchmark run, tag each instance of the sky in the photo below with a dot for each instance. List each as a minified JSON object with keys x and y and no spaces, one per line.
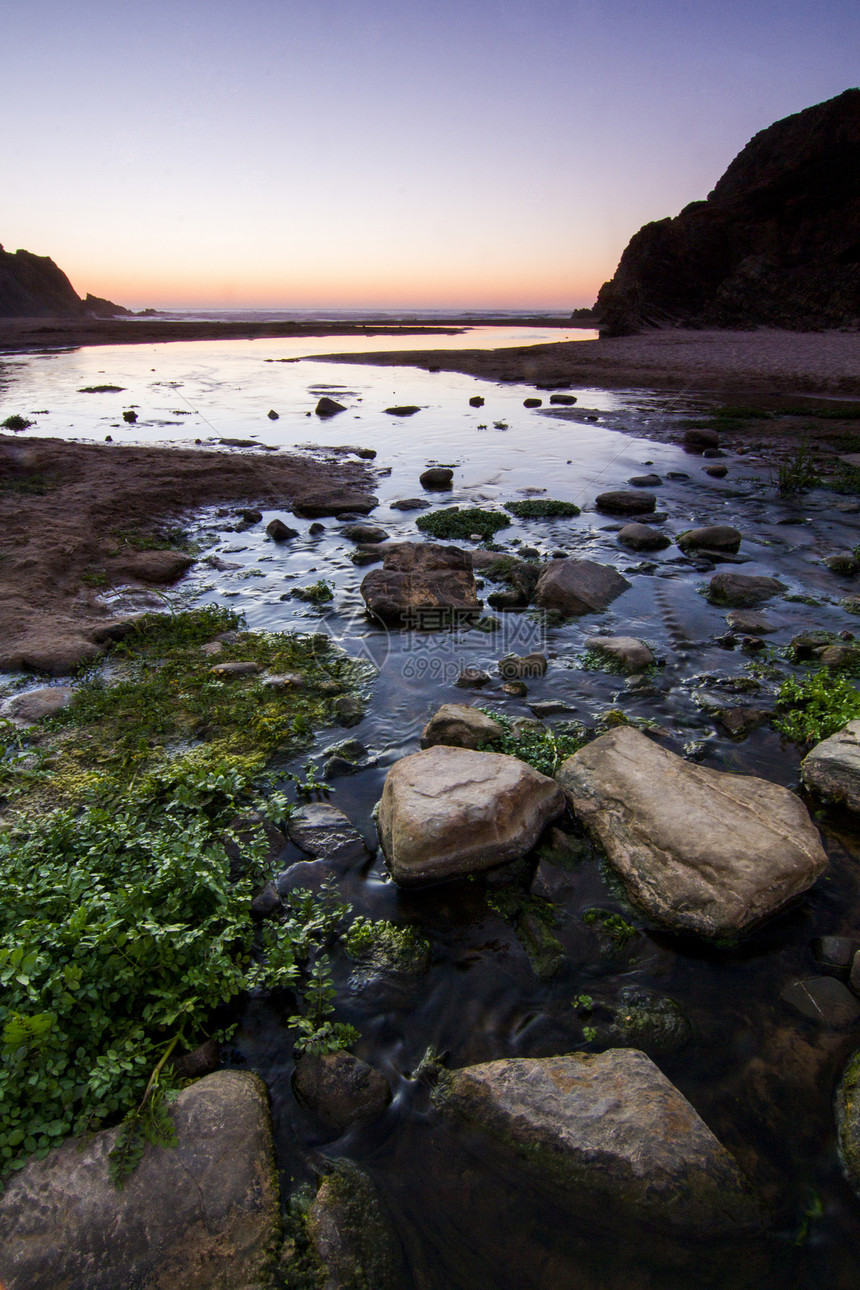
{"x":342,"y":153}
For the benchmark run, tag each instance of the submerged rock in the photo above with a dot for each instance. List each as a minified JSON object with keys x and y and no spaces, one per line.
{"x":421,"y":584}
{"x":629,"y":653}
{"x":459,"y":726}
{"x":333,"y":501}
{"x":203,"y":1213}
{"x":642,"y":537}
{"x":450,"y":811}
{"x":824,"y":1000}
{"x":742,"y":590}
{"x":578,"y":586}
{"x":749,"y":622}
{"x":347,"y":1242}
{"x":832,"y":769}
{"x":340,"y":1088}
{"x":719,"y":538}
{"x":607,"y":1136}
{"x":322,"y":831}
{"x":699,"y":850}
{"x":621,"y":502}
{"x":650,"y":1021}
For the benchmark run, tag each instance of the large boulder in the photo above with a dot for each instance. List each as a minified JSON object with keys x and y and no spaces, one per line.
{"x":422,"y":584}
{"x":607,"y":1136}
{"x":450,"y":811}
{"x":204,"y":1215}
{"x":832,"y":769}
{"x":773,"y":245}
{"x":626,"y":652}
{"x":699,"y":850}
{"x":578,"y":586}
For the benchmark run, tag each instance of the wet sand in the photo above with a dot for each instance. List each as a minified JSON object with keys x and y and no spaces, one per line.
{"x":767,"y":363}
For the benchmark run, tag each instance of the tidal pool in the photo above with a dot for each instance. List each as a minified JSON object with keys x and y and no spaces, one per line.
{"x":761,"y":1076}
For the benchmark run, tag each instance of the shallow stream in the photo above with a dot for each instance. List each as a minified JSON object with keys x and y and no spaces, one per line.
{"x":761,"y":1075}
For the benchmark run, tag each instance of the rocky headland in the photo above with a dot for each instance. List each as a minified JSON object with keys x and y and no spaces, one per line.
{"x":33,"y":286}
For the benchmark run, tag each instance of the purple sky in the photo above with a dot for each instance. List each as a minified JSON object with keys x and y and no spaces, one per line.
{"x":315,"y":153}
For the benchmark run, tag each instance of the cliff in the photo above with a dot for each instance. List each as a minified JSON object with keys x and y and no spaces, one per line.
{"x":777,"y":242}
{"x":32,"y":286}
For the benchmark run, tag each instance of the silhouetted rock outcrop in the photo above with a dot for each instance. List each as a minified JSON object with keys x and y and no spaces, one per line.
{"x":777,"y":243}
{"x":32,"y":286}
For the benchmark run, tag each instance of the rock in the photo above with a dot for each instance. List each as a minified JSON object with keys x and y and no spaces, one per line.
{"x":364,"y":533}
{"x":352,"y":1244}
{"x":649,"y":1021}
{"x":641,"y":537}
{"x":847,"y":1121}
{"x":609,"y":1137}
{"x":203,"y":1213}
{"x":740,"y":720}
{"x":205,"y":1059}
{"x":152,"y":566}
{"x":698,"y":439}
{"x":742,"y":590}
{"x":410,"y":504}
{"x":699,"y":850}
{"x":323,"y":831}
{"x":835,"y":953}
{"x":773,"y":244}
{"x":421,"y":582}
{"x":272,"y":415}
{"x":129,"y":417}
{"x":716,"y":472}
{"x":620,"y":502}
{"x":749,"y":623}
{"x":436,"y":477}
{"x":629,"y":653}
{"x":563,"y":400}
{"x":267,"y":902}
{"x":243,"y":832}
{"x":327,"y":407}
{"x":251,"y":516}
{"x":532,"y":403}
{"x":578,"y":586}
{"x":476,"y":401}
{"x":316,"y":528}
{"x":340,"y":1089}
{"x":515,"y":667}
{"x":37,"y":704}
{"x":713,"y":537}
{"x":645,"y":481}
{"x":278,"y":531}
{"x":239,"y":668}
{"x":458,"y":726}
{"x":472,"y":677}
{"x":832,"y":769}
{"x":57,"y":654}
{"x":550,"y":707}
{"x":449,"y":811}
{"x":403,"y":410}
{"x":844,"y":562}
{"x":333,"y":501}
{"x":33,"y":286}
{"x":284,"y":681}
{"x":304,"y":875}
{"x":348,"y":710}
{"x":823,"y":999}
{"x":836,"y":656}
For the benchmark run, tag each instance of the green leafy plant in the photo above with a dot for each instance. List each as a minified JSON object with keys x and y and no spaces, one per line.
{"x":613,"y":924}
{"x":816,"y":707}
{"x":462,"y":523}
{"x":542,"y":747}
{"x":798,"y":473}
{"x":583,"y":1002}
{"x":317,"y":593}
{"x":541,"y":508}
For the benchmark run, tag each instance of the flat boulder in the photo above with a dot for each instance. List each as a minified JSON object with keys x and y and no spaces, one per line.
{"x":204,"y":1215}
{"x":749,"y":622}
{"x":333,"y":501}
{"x":152,"y":566}
{"x":421,"y":584}
{"x":630,"y":654}
{"x":622,"y":501}
{"x":448,"y":812}
{"x":832,"y":769}
{"x":700,"y":850}
{"x":35,"y":705}
{"x":458,"y":726}
{"x":578,"y":586}
{"x":742,"y":590}
{"x":721,"y":538}
{"x":324,"y":832}
{"x":607,"y":1136}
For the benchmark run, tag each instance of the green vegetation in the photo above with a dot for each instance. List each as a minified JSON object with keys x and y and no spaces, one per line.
{"x":387,"y":946}
{"x":798,"y":473}
{"x":318,"y":593}
{"x":163,"y":538}
{"x":611,"y":923}
{"x":16,"y":423}
{"x":816,"y":707}
{"x":542,"y":747}
{"x":31,"y":483}
{"x":101,"y":389}
{"x":541,"y":508}
{"x":454,"y":523}
{"x":125,"y":933}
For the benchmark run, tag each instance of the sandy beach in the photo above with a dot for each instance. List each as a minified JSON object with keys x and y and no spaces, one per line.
{"x":767,"y":363}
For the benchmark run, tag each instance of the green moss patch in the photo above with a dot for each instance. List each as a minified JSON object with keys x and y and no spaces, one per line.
{"x":541,"y":508}
{"x":461,"y":524}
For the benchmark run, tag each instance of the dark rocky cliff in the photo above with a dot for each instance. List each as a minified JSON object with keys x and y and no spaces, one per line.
{"x":32,"y":286}
{"x":777,"y":243}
